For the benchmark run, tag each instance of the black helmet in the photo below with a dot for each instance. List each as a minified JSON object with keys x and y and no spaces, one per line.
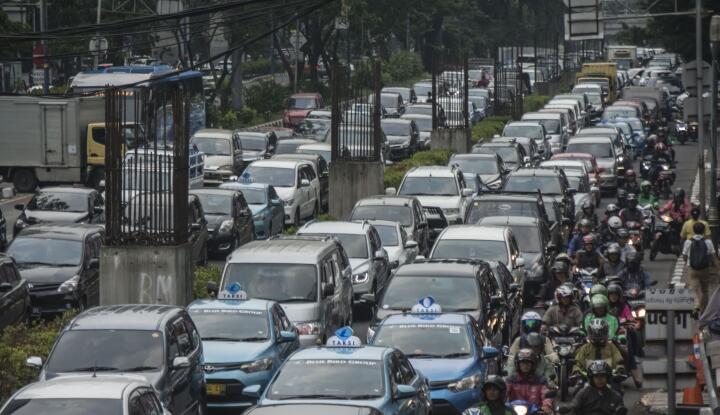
{"x":599,"y":367}
{"x":613,"y":249}
{"x":615,"y":289}
{"x":695,"y":212}
{"x":560,"y":266}
{"x":598,"y":331}
{"x":526,"y":355}
{"x":497,"y":381}
{"x":535,"y":340}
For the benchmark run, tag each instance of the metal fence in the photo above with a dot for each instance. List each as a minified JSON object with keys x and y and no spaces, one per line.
{"x":357,"y":106}
{"x":149,"y":165}
{"x":511,"y":84}
{"x":450,"y":95}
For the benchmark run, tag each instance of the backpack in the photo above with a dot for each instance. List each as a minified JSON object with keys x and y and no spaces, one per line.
{"x":699,"y":258}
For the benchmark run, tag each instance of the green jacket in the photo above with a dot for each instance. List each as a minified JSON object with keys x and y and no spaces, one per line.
{"x":588,"y":352}
{"x":650,"y":199}
{"x":484,"y":409}
{"x":613,"y":323}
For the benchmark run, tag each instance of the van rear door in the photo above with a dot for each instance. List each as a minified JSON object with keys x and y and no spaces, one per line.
{"x":54,"y":132}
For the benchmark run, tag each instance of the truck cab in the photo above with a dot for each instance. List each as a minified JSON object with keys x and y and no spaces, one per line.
{"x":95,"y":142}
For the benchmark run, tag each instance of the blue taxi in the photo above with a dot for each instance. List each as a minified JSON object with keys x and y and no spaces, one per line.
{"x":245,"y":343}
{"x":378,"y":377}
{"x":267,"y":208}
{"x":448,"y":349}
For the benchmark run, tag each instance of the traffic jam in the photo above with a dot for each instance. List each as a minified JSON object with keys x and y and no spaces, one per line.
{"x":509,"y":281}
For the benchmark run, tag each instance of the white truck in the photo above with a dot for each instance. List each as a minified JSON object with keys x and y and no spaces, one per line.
{"x":625,"y":57}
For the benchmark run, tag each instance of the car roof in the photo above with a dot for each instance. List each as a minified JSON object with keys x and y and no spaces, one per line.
{"x":69,"y":231}
{"x":250,"y":304}
{"x":67,"y":189}
{"x":364,"y":352}
{"x":441,"y":318}
{"x":395,"y":121}
{"x":431,"y":171}
{"x":253,"y":133}
{"x":500,"y":144}
{"x":474,"y":232}
{"x":315,"y":146}
{"x":525,"y":172}
{"x":81,"y":387}
{"x":520,"y":197}
{"x":333,"y":227}
{"x":212,"y":191}
{"x":541,"y":115}
{"x":509,"y":221}
{"x":523,"y":124}
{"x":387,"y":200}
{"x":284,"y":164}
{"x":563,"y":162}
{"x":474,"y":156}
{"x":213,"y":133}
{"x":124,"y":317}
{"x":313,"y":158}
{"x":591,"y":139}
{"x":290,"y":250}
{"x":297,"y":141}
{"x":241,"y":186}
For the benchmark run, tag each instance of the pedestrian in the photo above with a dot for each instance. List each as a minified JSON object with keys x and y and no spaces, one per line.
{"x":429,"y":99}
{"x":687,"y":229}
{"x":699,"y":254}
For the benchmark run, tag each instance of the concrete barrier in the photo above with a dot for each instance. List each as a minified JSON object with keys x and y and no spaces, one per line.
{"x":351,"y":181}
{"x":457,"y":140}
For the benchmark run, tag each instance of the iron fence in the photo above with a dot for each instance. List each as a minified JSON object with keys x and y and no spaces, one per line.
{"x":450,"y":95}
{"x":149,"y":165}
{"x":510,"y":82}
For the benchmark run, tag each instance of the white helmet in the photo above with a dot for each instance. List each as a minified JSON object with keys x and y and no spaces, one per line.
{"x":615,"y":223}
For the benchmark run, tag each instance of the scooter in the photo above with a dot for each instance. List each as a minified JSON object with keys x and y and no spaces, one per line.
{"x":667,"y":237}
{"x":636,"y":300}
{"x":693,"y":131}
{"x":566,"y":341}
{"x":681,"y":131}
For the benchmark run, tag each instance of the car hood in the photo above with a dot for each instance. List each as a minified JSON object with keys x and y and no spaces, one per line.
{"x":153,"y":377}
{"x":213,"y":162}
{"x":606,"y":163}
{"x":359,"y":265}
{"x":443,"y":369}
{"x":397,"y":139}
{"x":285,"y":193}
{"x":442,"y":202}
{"x":297,"y":113}
{"x":253,"y":154}
{"x":48,"y":274}
{"x":302,"y":312}
{"x":225,"y":352}
{"x":53,"y":216}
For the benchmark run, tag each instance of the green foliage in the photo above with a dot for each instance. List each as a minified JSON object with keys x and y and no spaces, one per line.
{"x":257,"y":67}
{"x":534,"y":102}
{"x":20,"y":341}
{"x":488,"y":127}
{"x":201,"y":277}
{"x":290,"y":230}
{"x":395,"y":173}
{"x":222,"y":119}
{"x":246,"y":115}
{"x":266,"y":97}
{"x":402,"y":66}
{"x":324,"y":217}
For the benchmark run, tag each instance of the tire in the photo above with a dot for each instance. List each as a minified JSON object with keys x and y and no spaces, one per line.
{"x":564,"y":380}
{"x":316,"y":211}
{"x":296,"y":222}
{"x":96,"y":177}
{"x":24,"y":180}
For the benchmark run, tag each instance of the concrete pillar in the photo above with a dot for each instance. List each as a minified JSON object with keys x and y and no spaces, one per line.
{"x":457,"y":140}
{"x":351,"y":181}
{"x":146,"y":275}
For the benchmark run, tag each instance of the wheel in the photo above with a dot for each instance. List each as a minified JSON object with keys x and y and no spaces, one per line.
{"x":97,"y":176}
{"x":564,"y":392}
{"x":24,"y":180}
{"x":316,"y":211}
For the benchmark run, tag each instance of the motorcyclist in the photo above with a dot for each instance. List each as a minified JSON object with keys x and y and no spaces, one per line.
{"x":650,"y":145}
{"x":559,"y":276}
{"x":530,"y":322}
{"x":576,"y":243}
{"x":588,"y":257}
{"x":614,"y":264}
{"x":525,"y":385}
{"x":545,"y":366}
{"x":610,"y":233}
{"x":493,"y":392}
{"x":687,"y":229}
{"x":610,"y":211}
{"x":631,"y":184}
{"x":565,"y":312}
{"x":598,"y":347}
{"x":678,"y":208}
{"x":631,"y":213}
{"x":599,"y":310}
{"x":646,"y":196}
{"x":620,"y":309}
{"x":622,"y":240}
{"x":597,"y":397}
{"x":588,"y":212}
{"x":634,"y":276}
{"x":662,"y":137}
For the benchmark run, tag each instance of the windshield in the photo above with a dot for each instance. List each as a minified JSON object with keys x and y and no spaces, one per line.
{"x":548,"y":185}
{"x":599,"y":150}
{"x":404,"y":92}
{"x":51,"y":252}
{"x":253,"y":143}
{"x":484,"y":208}
{"x":215,"y":204}
{"x":522,"y":131}
{"x":527,"y":237}
{"x":475,"y":165}
{"x":314,"y":127}
{"x":452,"y":293}
{"x":212,"y":146}
{"x":328,"y":379}
{"x":470,"y":249}
{"x":479,"y":102}
{"x":551,"y":126}
{"x":276,"y":176}
{"x":301,"y":103}
{"x":613,"y":112}
{"x":400,"y":214}
{"x":325,"y":154}
{"x":429,"y":186}
{"x":423,"y":124}
{"x":389,"y":101}
{"x":576,"y":182}
{"x":230,"y":324}
{"x":388,"y":235}
{"x":355,"y":245}
{"x":59,"y":202}
{"x":425,"y":340}
{"x":277,"y":281}
{"x":64,"y":406}
{"x":254,"y":196}
{"x":507,"y":154}
{"x":421,"y":90}
{"x":594,"y":98}
{"x":107,"y":350}
{"x":394,"y":128}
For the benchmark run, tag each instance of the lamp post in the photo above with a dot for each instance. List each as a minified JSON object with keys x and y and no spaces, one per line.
{"x":713,"y":219}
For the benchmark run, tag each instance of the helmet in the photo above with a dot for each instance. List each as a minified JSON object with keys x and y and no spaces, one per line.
{"x":615,"y":223}
{"x":630,"y":173}
{"x":497,"y":381}
{"x":599,"y":300}
{"x":585,"y":223}
{"x":645,"y":185}
{"x":631,"y":197}
{"x":563,"y":291}
{"x":598,"y":330}
{"x":588,"y":239}
{"x":614,"y":288}
{"x":563,"y":257}
{"x":598,"y":289}
{"x":612,"y":209}
{"x":622,"y":233}
{"x":587,"y":205}
{"x":526,"y":355}
{"x":599,"y":367}
{"x":559,"y":266}
{"x":535,"y":340}
{"x":613,"y":249}
{"x":660,"y":147}
{"x":531,"y":321}
{"x":652,"y":137}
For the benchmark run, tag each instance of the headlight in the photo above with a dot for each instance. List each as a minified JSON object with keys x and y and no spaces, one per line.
{"x":227,"y":167}
{"x":449,"y":212}
{"x":69,"y":285}
{"x":226,"y":226}
{"x":665,"y":167}
{"x":520,"y":410}
{"x":20,"y":223}
{"x":565,"y":350}
{"x":288,"y":202}
{"x":257,"y":366}
{"x":666,"y":218}
{"x":639,"y":313}
{"x":470,"y":382}
{"x":361,"y":278}
{"x":312,"y":327}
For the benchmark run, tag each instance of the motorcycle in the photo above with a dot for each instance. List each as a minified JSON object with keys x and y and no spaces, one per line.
{"x":635,"y":230}
{"x":664,"y":181}
{"x":646,"y":166}
{"x":681,"y":131}
{"x":648,"y":223}
{"x":621,"y":198}
{"x":636,"y":300}
{"x":566,"y":341}
{"x":667,"y":237}
{"x":525,"y":408}
{"x":586,"y":278}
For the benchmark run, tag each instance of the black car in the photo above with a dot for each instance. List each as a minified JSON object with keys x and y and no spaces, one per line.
{"x":61,"y":264}
{"x":551,"y":183}
{"x":229,"y":219}
{"x":512,"y":308}
{"x":14,"y":294}
{"x":61,"y":204}
{"x":158,"y":343}
{"x":256,"y":145}
{"x":3,"y":232}
{"x":512,"y":154}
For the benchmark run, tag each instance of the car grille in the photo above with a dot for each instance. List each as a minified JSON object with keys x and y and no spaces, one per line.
{"x":435,"y":217}
{"x":440,"y":384}
{"x":443,"y":407}
{"x":35,"y":287}
{"x":233,"y":392}
{"x":213,"y":176}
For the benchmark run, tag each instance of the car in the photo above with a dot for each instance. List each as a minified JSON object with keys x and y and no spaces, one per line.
{"x":402,"y":136}
{"x":530,"y":129}
{"x":614,"y":133}
{"x":393,"y":103}
{"x":320,"y":114}
{"x":295,"y":181}
{"x":276,"y":134}
{"x":506,"y":204}
{"x":61,"y":204}
{"x":582,"y":103}
{"x":512,"y":154}
{"x":233,"y":329}
{"x":229,"y":219}
{"x":419,"y":109}
{"x":406,"y":210}
{"x":554,"y":125}
{"x":552,"y":184}
{"x":458,"y":285}
{"x":606,"y":156}
{"x":299,"y":106}
{"x":512,"y":309}
{"x":323,"y":150}
{"x":356,"y":141}
{"x":380,"y":377}
{"x":591,"y":165}
{"x":317,"y":129}
{"x":313,"y":408}
{"x":310,"y":276}
{"x":407,"y":94}
{"x":400,"y":250}
{"x":580,"y":115}
{"x":104,"y":394}
{"x":266,"y":206}
{"x":423,"y":90}
{"x":3,"y":232}
{"x":536,"y":247}
{"x":485,"y":171}
{"x":15,"y":302}
{"x":223,"y":154}
{"x":290,"y":145}
{"x":532,"y":155}
{"x":368,"y":259}
{"x":156,"y":343}
{"x":578,"y":179}
{"x":625,"y":111}
{"x":424,"y":126}
{"x":322,"y":171}
{"x":566,"y":112}
{"x":449,"y":349}
{"x":256,"y":145}
{"x":437,"y":186}
{"x":61,"y":264}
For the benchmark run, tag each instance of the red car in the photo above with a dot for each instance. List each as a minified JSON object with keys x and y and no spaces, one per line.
{"x":590,"y":164}
{"x":298,"y":107}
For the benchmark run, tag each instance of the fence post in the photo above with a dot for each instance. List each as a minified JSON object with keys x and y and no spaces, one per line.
{"x":377,"y":129}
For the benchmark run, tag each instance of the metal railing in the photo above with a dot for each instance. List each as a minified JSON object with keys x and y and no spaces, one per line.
{"x":450,"y":95}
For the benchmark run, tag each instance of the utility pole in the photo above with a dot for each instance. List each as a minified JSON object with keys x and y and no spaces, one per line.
{"x":701,"y":121}
{"x":407,"y":31}
{"x":272,"y":46}
{"x":297,"y":52}
{"x":713,"y":219}
{"x":46,"y":64}
{"x":96,"y":59}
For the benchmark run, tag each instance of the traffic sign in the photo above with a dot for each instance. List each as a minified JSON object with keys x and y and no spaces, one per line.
{"x":583,"y":21}
{"x":98,"y":45}
{"x":39,"y":55}
{"x":656,"y":325}
{"x":669,"y":299}
{"x":690,"y":73}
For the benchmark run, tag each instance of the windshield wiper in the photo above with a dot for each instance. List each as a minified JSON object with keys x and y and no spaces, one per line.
{"x":422,"y":355}
{"x":364,"y":397}
{"x":93,"y":369}
{"x":315,"y":396}
{"x":452,"y":355}
{"x":252,"y":339}
{"x":139,"y":369}
{"x":462,"y":310}
{"x":30,"y":263}
{"x":295,"y":300}
{"x":225,"y":339}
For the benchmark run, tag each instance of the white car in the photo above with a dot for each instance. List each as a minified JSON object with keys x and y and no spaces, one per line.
{"x":400,"y":249}
{"x":294,"y":181}
{"x":555,"y":128}
{"x":441,"y":187}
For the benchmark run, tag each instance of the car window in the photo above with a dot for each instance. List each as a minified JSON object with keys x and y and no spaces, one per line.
{"x":396,"y":374}
{"x":375,"y":243}
{"x":185,"y":345}
{"x":406,"y":370}
{"x":242,"y":203}
{"x":284,"y":321}
{"x":135,"y":406}
{"x":173,"y":349}
{"x":7,"y":275}
{"x":328,"y":271}
{"x":276,"y":322}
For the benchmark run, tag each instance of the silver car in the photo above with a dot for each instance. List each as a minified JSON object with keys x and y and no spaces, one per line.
{"x":400,"y":249}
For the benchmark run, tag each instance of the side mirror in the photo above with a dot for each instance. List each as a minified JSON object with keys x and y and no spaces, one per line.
{"x":195,"y":227}
{"x":490,"y":352}
{"x":276,"y":202}
{"x":411,"y":245}
{"x":93,"y":263}
{"x":252,"y":391}
{"x":180,"y":362}
{"x":527,"y":159}
{"x":379,"y":255}
{"x":304,"y":183}
{"x":520,"y":262}
{"x":287,"y":337}
{"x":390,"y":191}
{"x":20,"y":207}
{"x":34,"y":362}
{"x":405,"y":392}
{"x":368,"y":298}
{"x":212,"y":289}
{"x":467,"y":192}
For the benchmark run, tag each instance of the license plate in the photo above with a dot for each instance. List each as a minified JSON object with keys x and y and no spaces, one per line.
{"x":215,"y":389}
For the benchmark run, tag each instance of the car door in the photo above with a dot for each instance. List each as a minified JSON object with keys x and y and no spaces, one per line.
{"x":282,"y":324}
{"x":179,"y":345}
{"x":237,"y":155}
{"x":12,"y":296}
{"x":497,"y":314}
{"x":243,"y":218}
{"x":150,"y":403}
{"x":343,"y":274}
{"x":90,"y":276}
{"x":314,"y":190}
{"x":329,"y":314}
{"x":513,"y":296}
{"x":399,"y":376}
{"x":278,"y":212}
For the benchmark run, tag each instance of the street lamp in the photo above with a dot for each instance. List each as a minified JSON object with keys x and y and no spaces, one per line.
{"x":713,"y":219}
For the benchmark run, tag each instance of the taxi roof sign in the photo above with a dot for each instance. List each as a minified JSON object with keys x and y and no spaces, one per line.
{"x":233,"y":292}
{"x":426,"y":305}
{"x":246,"y":178}
{"x":344,"y":338}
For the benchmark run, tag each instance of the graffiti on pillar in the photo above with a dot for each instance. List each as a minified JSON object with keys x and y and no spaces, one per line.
{"x":156,"y":289}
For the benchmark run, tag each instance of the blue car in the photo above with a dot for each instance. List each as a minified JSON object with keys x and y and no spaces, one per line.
{"x":245,"y":343}
{"x":266,"y":206}
{"x":378,"y":377}
{"x":448,"y":349}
